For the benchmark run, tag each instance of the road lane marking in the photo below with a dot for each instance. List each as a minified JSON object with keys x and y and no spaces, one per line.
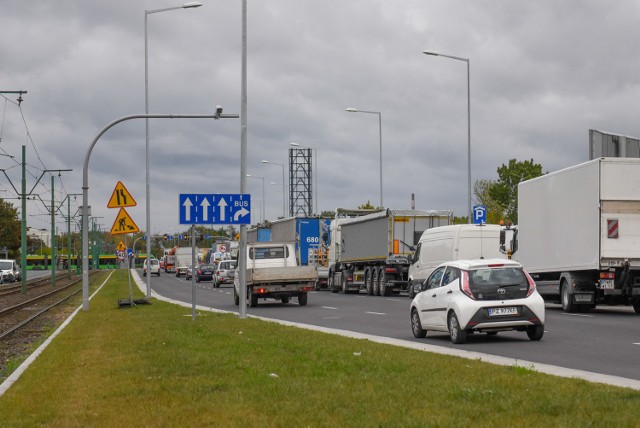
{"x":375,"y":313}
{"x":579,"y":315}
{"x":329,"y":307}
{"x":394,"y":300}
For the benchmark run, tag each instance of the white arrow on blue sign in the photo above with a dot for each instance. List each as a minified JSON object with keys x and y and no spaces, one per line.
{"x":215,"y":208}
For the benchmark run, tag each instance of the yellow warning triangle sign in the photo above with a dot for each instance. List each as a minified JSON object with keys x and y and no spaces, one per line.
{"x":121,"y":197}
{"x":123,"y":224}
{"x":121,"y":246}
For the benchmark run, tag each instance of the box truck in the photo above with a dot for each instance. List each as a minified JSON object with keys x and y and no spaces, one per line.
{"x":578,"y":233}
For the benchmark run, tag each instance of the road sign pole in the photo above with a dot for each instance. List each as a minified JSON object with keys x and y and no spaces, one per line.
{"x":193,"y":273}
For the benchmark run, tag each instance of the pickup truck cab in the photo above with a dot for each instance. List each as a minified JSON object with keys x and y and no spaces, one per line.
{"x":273,"y":272}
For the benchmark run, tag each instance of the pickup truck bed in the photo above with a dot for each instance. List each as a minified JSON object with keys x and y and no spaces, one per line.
{"x":287,"y":274}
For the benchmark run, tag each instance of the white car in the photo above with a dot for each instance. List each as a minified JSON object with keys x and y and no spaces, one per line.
{"x":483,"y":295}
{"x":155,"y":267}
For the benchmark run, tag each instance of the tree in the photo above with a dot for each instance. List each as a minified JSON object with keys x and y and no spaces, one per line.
{"x":10,"y":228}
{"x":481,"y":190}
{"x":366,"y":206}
{"x":505,"y":190}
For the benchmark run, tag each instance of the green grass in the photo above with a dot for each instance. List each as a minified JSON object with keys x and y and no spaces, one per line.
{"x":154,"y":366}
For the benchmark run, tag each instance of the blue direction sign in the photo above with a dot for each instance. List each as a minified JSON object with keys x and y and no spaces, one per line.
{"x":215,"y":208}
{"x":479,"y":214}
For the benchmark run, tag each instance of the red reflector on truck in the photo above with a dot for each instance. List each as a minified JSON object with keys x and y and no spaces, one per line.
{"x":607,"y":275}
{"x":390,"y":270}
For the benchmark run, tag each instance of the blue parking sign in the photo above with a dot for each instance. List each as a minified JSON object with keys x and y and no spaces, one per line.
{"x":479,"y":214}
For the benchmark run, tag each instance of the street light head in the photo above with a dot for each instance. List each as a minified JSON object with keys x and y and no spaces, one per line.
{"x":351,"y":110}
{"x":191,"y":4}
{"x":430,"y":53}
{"x":265,"y":161}
{"x":294,"y":144}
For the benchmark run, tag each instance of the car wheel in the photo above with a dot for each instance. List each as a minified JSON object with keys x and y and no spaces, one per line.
{"x":535,"y":332}
{"x":302,"y":299}
{"x":236,"y":298}
{"x":636,"y":307}
{"x":285,"y":299}
{"x":565,"y":297}
{"x":456,"y":334}
{"x":376,"y":283}
{"x":367,"y":282}
{"x":416,"y":326}
{"x":411,"y":291}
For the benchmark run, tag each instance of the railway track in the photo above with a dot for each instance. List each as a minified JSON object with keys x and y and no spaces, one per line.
{"x":17,"y":288}
{"x":25,"y":308}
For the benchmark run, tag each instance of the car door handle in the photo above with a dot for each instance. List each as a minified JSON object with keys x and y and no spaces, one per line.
{"x":433,"y":295}
{"x":450,"y":291}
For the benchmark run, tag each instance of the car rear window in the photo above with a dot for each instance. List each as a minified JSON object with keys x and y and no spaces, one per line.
{"x":500,"y":277}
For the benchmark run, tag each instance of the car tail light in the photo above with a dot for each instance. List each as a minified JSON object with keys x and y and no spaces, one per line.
{"x":607,"y":275}
{"x":390,"y":270}
{"x":532,"y":283}
{"x":199,"y":272}
{"x":464,"y":285}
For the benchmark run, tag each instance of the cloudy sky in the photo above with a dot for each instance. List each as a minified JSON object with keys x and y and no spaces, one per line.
{"x":542,"y":74}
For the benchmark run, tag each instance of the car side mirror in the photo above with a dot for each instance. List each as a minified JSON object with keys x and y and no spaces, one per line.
{"x":410,"y":259}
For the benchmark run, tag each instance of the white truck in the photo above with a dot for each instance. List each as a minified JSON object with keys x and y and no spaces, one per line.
{"x":182,"y":260}
{"x":273,"y":272}
{"x":578,"y":233}
{"x":372,"y":252}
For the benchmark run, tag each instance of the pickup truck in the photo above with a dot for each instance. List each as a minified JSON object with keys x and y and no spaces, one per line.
{"x":272,"y":272}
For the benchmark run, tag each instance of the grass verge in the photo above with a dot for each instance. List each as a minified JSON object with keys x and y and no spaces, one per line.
{"x":154,"y":366}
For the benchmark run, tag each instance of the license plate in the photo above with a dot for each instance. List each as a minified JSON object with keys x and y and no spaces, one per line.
{"x":496,"y":312}
{"x":583,"y":298}
{"x":206,"y":272}
{"x":607,"y":284}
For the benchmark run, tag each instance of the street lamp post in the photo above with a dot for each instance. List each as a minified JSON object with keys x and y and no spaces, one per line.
{"x":283,"y":190}
{"x":469,"y":213}
{"x":315,"y":172}
{"x":189,"y":5}
{"x":260,"y":178}
{"x":355,"y":110}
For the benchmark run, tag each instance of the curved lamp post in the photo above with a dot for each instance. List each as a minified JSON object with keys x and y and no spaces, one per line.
{"x":469,"y":213}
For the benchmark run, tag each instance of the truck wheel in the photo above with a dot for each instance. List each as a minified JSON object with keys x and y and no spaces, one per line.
{"x":384,"y":290}
{"x":236,"y":298}
{"x":285,"y":299}
{"x":416,"y":326}
{"x":565,"y":297}
{"x":367,"y":282}
{"x":344,"y":289}
{"x":302,"y":299}
{"x":456,"y":334}
{"x":636,"y":307}
{"x":535,"y":332}
{"x":253,"y":300}
{"x":376,"y":283}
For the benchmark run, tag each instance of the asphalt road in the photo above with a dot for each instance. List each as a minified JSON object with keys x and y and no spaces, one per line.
{"x":606,"y":340}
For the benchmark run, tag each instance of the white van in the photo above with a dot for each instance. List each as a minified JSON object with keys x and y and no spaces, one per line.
{"x":9,"y":271}
{"x":456,"y":242}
